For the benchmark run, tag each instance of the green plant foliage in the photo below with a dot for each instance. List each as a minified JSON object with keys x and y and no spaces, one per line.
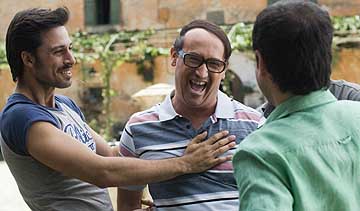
{"x":346,"y":24}
{"x":145,"y":59}
{"x":3,"y":61}
{"x":112,"y":50}
{"x":240,"y":36}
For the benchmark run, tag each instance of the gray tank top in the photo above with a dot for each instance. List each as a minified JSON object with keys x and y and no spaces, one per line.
{"x":43,"y":188}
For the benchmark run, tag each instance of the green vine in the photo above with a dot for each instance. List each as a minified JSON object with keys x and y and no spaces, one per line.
{"x":346,"y":34}
{"x":346,"y":25}
{"x":112,"y":49}
{"x":240,"y":36}
{"x":90,"y":48}
{"x":3,"y":61}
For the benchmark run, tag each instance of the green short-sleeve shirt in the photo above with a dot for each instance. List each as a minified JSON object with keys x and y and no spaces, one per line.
{"x":305,"y":157}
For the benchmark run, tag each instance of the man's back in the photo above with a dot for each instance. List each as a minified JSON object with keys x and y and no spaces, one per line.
{"x":310,"y":159}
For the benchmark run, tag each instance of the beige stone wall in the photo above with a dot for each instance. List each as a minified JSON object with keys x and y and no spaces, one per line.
{"x":161,"y":14}
{"x":164,"y":14}
{"x":126,"y":81}
{"x":342,"y":7}
{"x":8,"y":9}
{"x":347,"y":65}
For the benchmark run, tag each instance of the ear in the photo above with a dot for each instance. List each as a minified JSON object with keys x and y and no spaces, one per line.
{"x":224,"y":73}
{"x":260,"y":63}
{"x":174,"y":56}
{"x":27,"y":58}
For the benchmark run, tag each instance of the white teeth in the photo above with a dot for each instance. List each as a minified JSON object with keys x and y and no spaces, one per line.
{"x":65,"y":71}
{"x":199,"y":83}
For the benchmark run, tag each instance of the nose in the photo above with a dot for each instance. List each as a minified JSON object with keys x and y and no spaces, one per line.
{"x":202,"y":71}
{"x":70,"y":59}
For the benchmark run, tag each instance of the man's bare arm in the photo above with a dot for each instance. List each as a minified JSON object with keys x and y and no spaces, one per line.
{"x":61,"y":152}
{"x":102,"y":147}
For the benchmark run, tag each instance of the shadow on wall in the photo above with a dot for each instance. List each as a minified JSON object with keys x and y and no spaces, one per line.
{"x":240,"y":80}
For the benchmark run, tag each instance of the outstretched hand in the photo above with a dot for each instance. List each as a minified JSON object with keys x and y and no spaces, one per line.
{"x":201,"y":155}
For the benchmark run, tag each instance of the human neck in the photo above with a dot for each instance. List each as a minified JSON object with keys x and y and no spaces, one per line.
{"x":196,"y":115}
{"x":277,"y":97}
{"x":36,"y":93}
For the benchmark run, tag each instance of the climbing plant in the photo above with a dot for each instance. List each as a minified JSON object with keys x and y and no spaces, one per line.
{"x":240,"y":36}
{"x":3,"y":61}
{"x":112,"y":50}
{"x":346,"y":25}
{"x":346,"y":33}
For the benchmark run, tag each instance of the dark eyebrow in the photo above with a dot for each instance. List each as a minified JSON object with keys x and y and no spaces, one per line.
{"x":211,"y":58}
{"x":215,"y":59}
{"x":58,"y":47}
{"x":194,"y":54}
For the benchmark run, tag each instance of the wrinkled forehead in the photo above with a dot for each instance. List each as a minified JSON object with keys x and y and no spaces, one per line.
{"x":200,"y":39}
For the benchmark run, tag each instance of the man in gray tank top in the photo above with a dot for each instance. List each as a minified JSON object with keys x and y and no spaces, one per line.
{"x":57,"y":160}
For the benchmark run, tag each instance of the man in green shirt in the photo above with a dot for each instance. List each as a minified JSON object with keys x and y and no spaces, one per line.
{"x":307,"y":154}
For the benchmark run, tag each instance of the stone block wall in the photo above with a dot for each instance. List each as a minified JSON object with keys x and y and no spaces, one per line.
{"x":342,"y":7}
{"x":165,"y":14}
{"x":162,"y":14}
{"x":8,"y":9}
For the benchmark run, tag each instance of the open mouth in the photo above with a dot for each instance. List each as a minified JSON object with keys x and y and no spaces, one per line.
{"x":198,"y":86}
{"x":66,"y":72}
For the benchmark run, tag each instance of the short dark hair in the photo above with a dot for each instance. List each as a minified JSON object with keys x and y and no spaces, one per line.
{"x":208,"y":26}
{"x":294,"y":39}
{"x":24,"y":33}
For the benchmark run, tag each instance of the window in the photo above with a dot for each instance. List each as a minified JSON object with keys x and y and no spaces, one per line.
{"x":102,"y":12}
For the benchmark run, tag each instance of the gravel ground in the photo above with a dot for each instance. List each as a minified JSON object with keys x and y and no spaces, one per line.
{"x":10,"y":198}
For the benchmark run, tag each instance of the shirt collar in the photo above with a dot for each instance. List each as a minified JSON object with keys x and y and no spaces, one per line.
{"x":224,"y":107}
{"x":301,"y":102}
{"x":266,"y":109}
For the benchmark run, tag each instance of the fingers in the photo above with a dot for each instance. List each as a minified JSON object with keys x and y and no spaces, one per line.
{"x":220,"y":160}
{"x":223,"y":142}
{"x":201,"y":155}
{"x":217,"y":136}
{"x":220,"y":147}
{"x":199,"y":138}
{"x":221,"y":150}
